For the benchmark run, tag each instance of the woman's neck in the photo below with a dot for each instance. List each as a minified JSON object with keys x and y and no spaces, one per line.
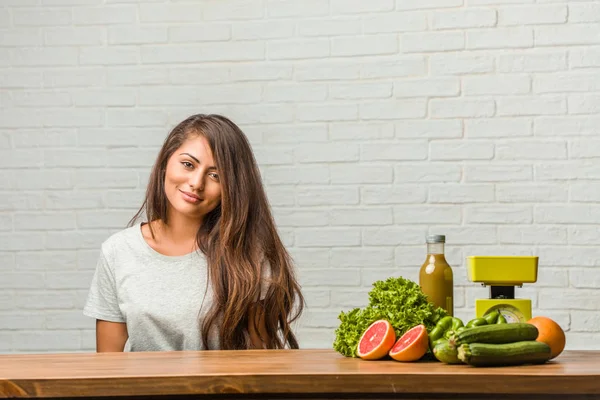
{"x":179,"y":230}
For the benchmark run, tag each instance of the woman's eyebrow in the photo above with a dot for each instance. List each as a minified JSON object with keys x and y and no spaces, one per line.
{"x":212,"y":167}
{"x":191,"y":156}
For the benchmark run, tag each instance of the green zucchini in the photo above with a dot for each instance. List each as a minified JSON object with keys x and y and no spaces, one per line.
{"x":496,"y":334}
{"x":446,"y":353}
{"x":476,"y":322}
{"x":518,"y":353}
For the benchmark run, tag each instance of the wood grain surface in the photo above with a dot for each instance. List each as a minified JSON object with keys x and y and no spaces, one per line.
{"x":305,"y":373}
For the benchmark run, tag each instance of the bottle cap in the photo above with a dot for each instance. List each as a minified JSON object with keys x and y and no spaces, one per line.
{"x":436,"y":239}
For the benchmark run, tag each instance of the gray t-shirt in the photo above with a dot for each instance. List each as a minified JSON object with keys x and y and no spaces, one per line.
{"x":159,"y":297}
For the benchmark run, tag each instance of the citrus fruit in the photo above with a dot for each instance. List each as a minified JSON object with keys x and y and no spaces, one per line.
{"x":550,"y":333}
{"x":412,"y":345}
{"x":376,"y":341}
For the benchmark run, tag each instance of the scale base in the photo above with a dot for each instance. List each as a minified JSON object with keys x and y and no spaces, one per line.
{"x":513,"y":310}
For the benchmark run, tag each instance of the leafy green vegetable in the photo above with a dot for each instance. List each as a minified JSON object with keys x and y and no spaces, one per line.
{"x":398,"y":300}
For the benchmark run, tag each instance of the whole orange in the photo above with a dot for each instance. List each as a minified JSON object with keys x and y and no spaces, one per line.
{"x":550,"y":333}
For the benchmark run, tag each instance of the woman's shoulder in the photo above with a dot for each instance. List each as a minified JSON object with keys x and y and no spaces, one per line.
{"x":125,"y":238}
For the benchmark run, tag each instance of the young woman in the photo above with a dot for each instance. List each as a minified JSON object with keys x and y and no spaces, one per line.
{"x":208,"y":269}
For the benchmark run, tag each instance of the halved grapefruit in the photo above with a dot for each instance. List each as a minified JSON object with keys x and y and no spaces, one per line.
{"x":412,"y":345}
{"x":376,"y":341}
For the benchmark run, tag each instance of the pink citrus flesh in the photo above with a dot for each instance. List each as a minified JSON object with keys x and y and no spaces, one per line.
{"x":376,"y":341}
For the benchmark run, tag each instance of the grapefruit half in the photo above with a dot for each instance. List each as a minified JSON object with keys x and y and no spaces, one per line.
{"x":412,"y":345}
{"x":376,"y":341}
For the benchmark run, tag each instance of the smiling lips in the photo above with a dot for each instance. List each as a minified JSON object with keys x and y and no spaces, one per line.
{"x":190,"y":197}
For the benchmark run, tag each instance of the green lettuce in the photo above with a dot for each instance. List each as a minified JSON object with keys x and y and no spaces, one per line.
{"x":398,"y":300}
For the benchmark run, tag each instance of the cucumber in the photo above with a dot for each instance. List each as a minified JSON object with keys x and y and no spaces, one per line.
{"x":495,"y":334}
{"x":518,"y":353}
{"x":476,"y":322}
{"x":446,"y":353}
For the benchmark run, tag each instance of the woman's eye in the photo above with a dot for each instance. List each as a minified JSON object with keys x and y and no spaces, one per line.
{"x":187,"y":164}
{"x":214,"y":175}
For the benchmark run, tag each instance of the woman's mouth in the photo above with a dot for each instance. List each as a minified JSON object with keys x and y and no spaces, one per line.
{"x":190,"y":197}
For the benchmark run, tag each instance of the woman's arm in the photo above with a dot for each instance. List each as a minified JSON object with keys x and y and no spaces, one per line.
{"x":110,"y":336}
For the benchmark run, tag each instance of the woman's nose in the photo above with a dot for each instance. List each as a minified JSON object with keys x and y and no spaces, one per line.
{"x":197,"y":181}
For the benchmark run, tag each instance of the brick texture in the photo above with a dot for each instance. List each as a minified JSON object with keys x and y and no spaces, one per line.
{"x":374,"y":123}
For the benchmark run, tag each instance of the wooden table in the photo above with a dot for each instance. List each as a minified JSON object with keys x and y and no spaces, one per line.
{"x":314,"y":374}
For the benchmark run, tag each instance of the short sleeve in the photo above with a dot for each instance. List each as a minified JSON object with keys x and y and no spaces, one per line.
{"x":102,"y":301}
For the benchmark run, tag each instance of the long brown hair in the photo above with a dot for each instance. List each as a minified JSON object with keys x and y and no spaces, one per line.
{"x":239,"y":239}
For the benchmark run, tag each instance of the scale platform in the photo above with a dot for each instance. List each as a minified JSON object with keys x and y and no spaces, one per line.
{"x":502,"y":274}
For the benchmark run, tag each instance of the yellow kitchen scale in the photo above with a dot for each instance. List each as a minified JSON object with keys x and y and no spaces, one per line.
{"x":502,"y":274}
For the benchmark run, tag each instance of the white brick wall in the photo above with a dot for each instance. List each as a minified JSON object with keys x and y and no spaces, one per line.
{"x":374,"y":123}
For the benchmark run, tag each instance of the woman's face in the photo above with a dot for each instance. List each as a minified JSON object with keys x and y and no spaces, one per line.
{"x":192,"y":181}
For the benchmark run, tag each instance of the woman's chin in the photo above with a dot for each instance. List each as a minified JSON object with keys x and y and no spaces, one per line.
{"x":188,"y":210}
